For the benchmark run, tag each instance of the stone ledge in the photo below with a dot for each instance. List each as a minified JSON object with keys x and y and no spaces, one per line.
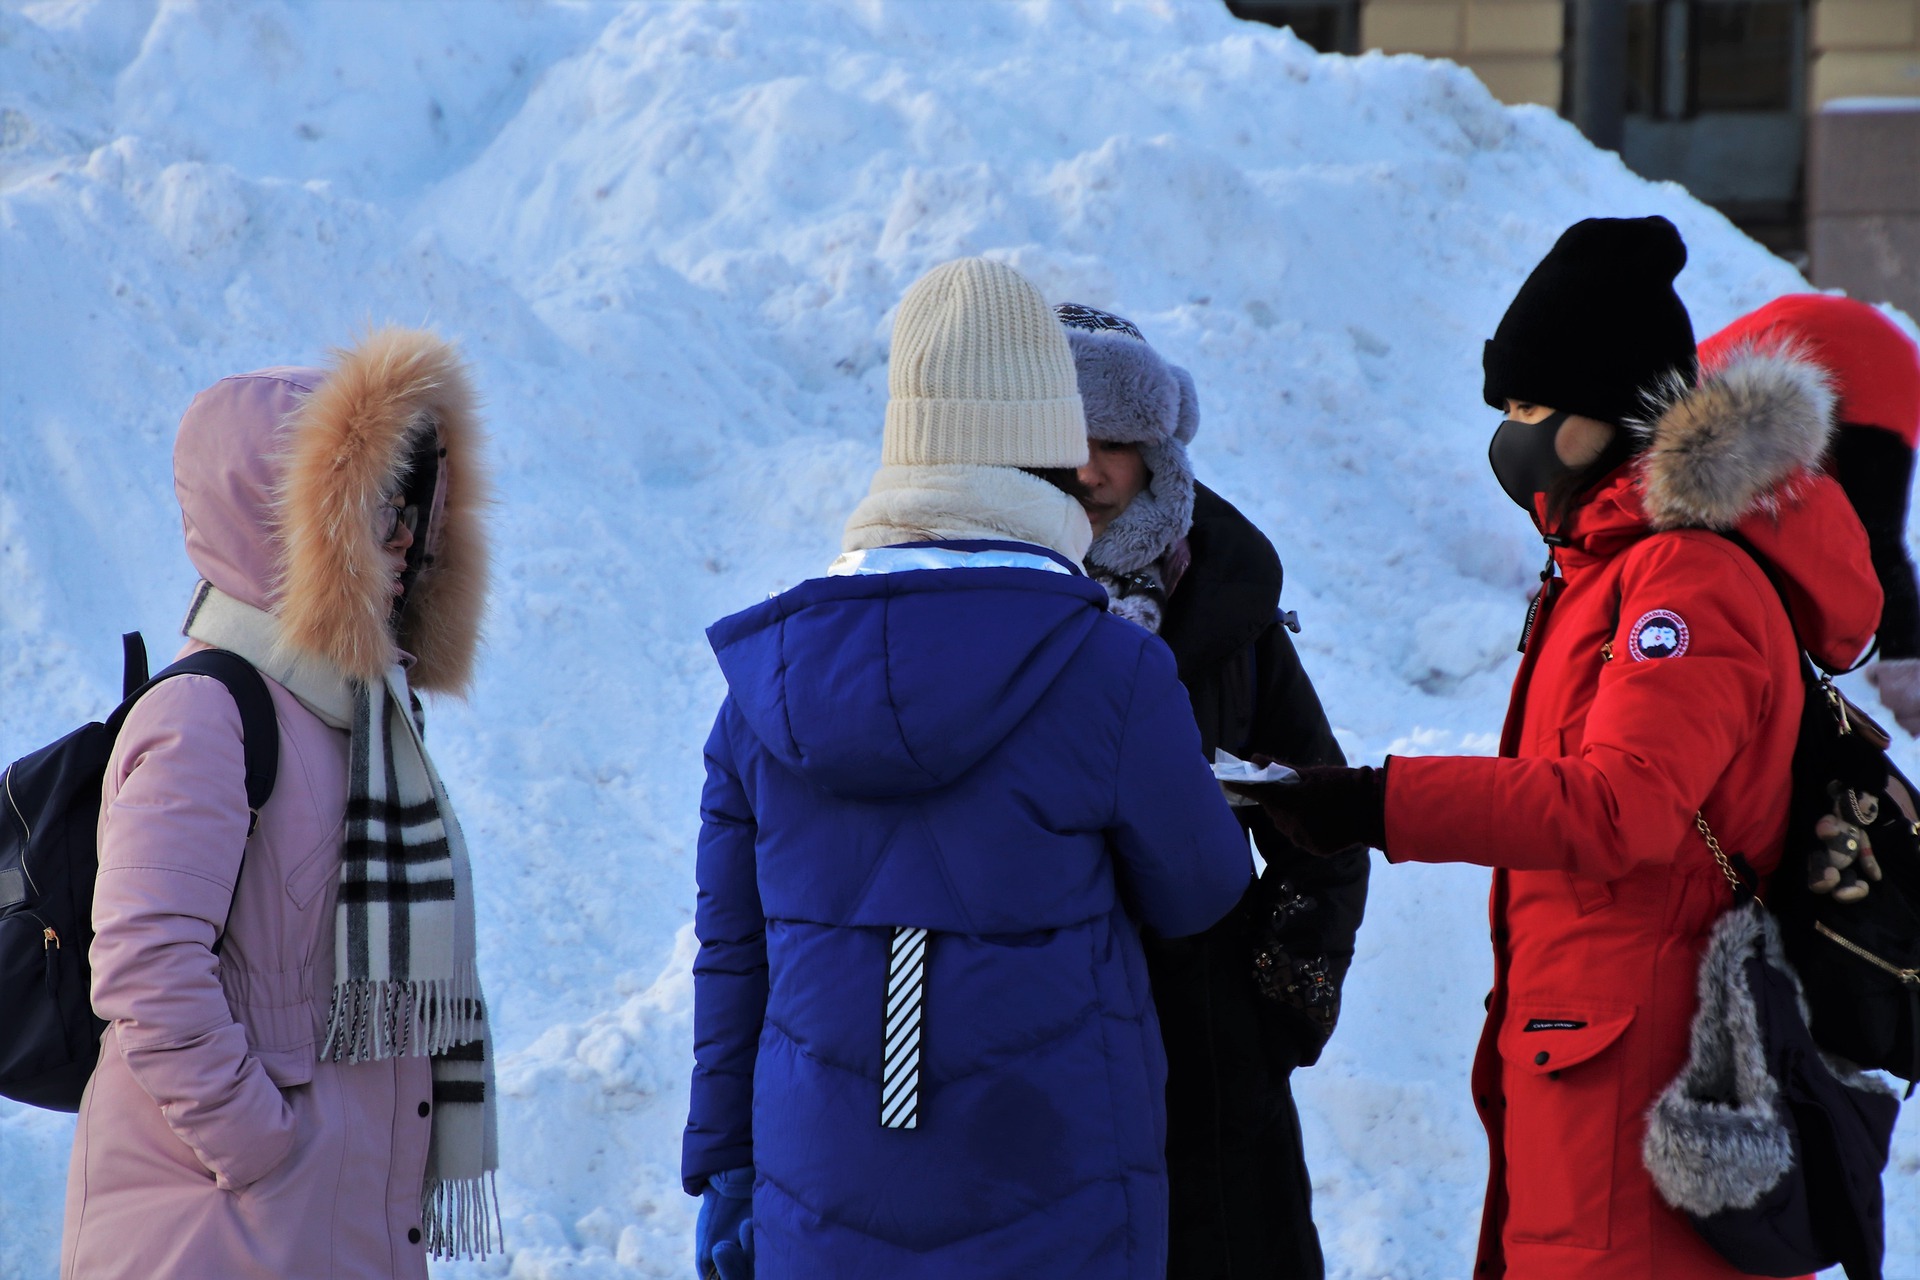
{"x":1865,"y":75}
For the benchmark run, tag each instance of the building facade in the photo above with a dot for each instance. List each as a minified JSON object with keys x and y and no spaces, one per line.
{"x":1800,"y":119}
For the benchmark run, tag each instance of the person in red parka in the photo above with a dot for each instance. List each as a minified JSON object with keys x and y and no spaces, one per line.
{"x":1874,"y":371}
{"x":1659,"y":690}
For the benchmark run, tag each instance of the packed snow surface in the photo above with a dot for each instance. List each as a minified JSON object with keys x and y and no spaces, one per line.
{"x":669,"y":237}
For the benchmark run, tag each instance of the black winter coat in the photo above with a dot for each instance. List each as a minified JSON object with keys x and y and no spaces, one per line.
{"x":1241,"y":1200}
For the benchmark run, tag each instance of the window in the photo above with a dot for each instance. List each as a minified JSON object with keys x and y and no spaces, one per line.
{"x":1745,"y":56}
{"x":1644,"y":48}
{"x":1695,"y":57}
{"x":1331,"y":26}
{"x":1713,"y":98}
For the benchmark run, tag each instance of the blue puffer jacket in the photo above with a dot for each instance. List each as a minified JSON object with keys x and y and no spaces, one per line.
{"x":985,"y":753}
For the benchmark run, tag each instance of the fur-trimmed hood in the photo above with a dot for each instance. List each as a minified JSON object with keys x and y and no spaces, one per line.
{"x":279,"y":473}
{"x":1874,"y":366}
{"x":1741,"y":451}
{"x":1736,"y":443}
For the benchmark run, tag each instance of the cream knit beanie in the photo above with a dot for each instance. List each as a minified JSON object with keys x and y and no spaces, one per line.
{"x":981,"y":374}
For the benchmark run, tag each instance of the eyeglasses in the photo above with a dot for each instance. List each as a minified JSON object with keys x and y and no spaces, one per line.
{"x":388,"y":519}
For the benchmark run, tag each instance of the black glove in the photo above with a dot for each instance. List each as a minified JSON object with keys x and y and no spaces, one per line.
{"x":1329,"y":810}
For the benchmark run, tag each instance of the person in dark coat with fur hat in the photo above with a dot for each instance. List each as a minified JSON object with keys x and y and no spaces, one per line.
{"x":1655,"y":712}
{"x":1244,"y":1004}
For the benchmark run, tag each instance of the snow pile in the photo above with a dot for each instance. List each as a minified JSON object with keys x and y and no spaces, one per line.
{"x":669,"y":236}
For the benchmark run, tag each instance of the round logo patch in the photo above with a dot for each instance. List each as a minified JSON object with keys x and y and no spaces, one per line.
{"x":1660,"y":633}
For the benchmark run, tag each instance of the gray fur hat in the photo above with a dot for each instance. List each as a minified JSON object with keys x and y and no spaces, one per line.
{"x":1132,"y":396}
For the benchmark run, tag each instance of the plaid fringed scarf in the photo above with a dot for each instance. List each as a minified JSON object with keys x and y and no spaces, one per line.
{"x":405,"y":979}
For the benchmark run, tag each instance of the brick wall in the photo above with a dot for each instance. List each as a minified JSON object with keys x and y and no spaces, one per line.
{"x":1865,"y":49}
{"x":1512,"y":45}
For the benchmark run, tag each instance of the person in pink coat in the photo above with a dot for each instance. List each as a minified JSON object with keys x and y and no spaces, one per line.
{"x":312,"y":1097}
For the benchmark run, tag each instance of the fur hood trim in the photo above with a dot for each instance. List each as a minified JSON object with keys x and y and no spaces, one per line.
{"x":349,"y":442}
{"x":1733,"y":444}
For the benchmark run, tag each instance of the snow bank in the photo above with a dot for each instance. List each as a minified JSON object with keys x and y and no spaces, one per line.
{"x":669,"y":236}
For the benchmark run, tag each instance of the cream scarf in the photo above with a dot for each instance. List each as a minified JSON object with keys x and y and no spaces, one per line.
{"x":958,"y":502}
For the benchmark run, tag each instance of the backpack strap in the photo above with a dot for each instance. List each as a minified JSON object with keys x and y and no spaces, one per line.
{"x":133,"y":671}
{"x":259,"y":724}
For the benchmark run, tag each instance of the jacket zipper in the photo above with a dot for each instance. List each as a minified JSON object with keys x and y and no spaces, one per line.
{"x":49,"y":943}
{"x":1544,"y":596}
{"x":6,"y":782}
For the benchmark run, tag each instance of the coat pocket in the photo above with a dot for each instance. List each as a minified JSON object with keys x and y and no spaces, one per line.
{"x":316,"y":871}
{"x":1560,"y":1070}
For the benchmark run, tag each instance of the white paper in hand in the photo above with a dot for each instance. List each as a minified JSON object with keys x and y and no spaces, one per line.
{"x":1228,"y":767}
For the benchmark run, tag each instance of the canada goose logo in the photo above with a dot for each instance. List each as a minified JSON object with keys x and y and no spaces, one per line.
{"x":1660,"y":633}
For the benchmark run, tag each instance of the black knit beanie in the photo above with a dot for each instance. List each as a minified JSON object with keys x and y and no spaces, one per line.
{"x":1597,"y":324}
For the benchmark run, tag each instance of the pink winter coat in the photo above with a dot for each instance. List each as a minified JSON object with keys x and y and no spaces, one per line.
{"x":212,"y":1140}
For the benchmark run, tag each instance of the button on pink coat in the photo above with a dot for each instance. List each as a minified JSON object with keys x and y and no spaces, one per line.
{"x":212,"y":1141}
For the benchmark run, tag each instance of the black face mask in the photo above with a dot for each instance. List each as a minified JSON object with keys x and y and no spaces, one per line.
{"x":1524,"y":460}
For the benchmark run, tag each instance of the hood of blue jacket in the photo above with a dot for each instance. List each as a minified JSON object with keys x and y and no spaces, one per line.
{"x":895,"y":684}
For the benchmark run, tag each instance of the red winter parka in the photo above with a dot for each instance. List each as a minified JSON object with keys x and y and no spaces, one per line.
{"x":1660,"y":679}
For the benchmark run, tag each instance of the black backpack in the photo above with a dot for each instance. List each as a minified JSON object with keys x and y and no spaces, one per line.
{"x":49,"y":1036}
{"x":1858,"y":962}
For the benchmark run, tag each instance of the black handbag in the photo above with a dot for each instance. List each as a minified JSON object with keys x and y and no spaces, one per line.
{"x":1771,"y":1147}
{"x":1858,"y":959}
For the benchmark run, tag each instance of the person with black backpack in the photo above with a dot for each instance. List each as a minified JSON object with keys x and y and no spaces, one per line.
{"x":1649,"y":748}
{"x":294,"y":1078}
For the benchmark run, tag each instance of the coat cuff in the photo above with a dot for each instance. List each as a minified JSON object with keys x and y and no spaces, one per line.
{"x":734,"y":1184}
{"x":1440,"y":809}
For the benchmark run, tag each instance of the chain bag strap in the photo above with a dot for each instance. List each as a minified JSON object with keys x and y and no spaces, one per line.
{"x":1742,"y":890}
{"x":1727,"y":1141}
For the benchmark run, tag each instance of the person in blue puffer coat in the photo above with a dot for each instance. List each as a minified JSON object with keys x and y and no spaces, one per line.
{"x":945,"y":793}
